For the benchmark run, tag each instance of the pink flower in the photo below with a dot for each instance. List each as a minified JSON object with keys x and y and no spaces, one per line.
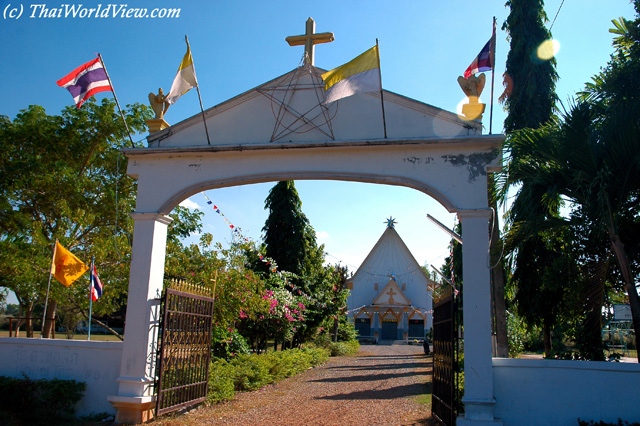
{"x":301,"y":306}
{"x":242,"y":314}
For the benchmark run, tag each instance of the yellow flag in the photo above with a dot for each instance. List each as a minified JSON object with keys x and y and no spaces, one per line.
{"x":66,"y":268}
{"x":361,"y":74}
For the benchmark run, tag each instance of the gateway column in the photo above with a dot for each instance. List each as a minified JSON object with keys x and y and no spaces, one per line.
{"x":135,"y":401}
{"x":478,"y":371}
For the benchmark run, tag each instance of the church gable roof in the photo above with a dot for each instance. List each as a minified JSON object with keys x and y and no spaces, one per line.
{"x":390,"y":257}
{"x":289,"y":109}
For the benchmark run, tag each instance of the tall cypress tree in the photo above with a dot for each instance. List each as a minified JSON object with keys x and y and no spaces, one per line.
{"x":530,"y":81}
{"x":530,"y":100}
{"x":289,"y":238}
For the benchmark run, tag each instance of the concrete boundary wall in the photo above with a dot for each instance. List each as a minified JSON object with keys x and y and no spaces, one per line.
{"x":541,"y":392}
{"x":95,"y":363}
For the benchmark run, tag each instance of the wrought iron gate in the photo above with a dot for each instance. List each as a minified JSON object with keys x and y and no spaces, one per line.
{"x":444,"y":360}
{"x":184,"y":350}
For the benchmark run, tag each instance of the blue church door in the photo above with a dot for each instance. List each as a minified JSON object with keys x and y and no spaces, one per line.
{"x":389,"y":329}
{"x":363,"y":327}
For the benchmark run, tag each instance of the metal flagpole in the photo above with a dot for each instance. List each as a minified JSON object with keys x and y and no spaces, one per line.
{"x":116,"y":98}
{"x":492,"y":59}
{"x":93,"y":258}
{"x":198,"y":89}
{"x":384,"y":120}
{"x":46,"y":300}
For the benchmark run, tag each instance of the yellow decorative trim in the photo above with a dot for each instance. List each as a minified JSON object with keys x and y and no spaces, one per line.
{"x":199,"y":289}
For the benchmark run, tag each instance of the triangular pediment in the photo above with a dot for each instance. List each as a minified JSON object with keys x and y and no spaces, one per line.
{"x":390,"y":257}
{"x":391,"y":295}
{"x":290,"y":110}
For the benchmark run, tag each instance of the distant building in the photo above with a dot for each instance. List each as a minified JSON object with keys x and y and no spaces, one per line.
{"x":389,"y":295}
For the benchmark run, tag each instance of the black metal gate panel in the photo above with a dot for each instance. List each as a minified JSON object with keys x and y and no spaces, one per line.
{"x":444,"y":359}
{"x":184,"y":351}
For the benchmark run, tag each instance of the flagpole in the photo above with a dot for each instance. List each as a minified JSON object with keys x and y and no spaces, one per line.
{"x":46,"y":300}
{"x":493,"y":72}
{"x":384,"y":121}
{"x":93,"y":258}
{"x":204,"y":120}
{"x":116,"y":98}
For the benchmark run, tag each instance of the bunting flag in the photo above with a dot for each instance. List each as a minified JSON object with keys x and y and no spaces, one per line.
{"x":237,"y":231}
{"x":184,"y":80}
{"x":66,"y":267}
{"x":485,"y":59}
{"x":85,"y":81}
{"x":361,"y":74}
{"x":95,"y":284}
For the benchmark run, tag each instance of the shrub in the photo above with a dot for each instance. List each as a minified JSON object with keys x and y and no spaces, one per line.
{"x":250,"y":372}
{"x":227,"y":343}
{"x":25,"y":401}
{"x":221,"y":386}
{"x":338,"y":348}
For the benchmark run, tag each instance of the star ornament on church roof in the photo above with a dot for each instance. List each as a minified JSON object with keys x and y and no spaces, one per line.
{"x":391,"y":222}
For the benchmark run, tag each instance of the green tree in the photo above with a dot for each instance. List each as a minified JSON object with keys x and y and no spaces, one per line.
{"x":288,"y":237}
{"x":291,"y":242}
{"x":530,"y":101}
{"x":593,"y":162}
{"x":530,"y":79}
{"x":543,"y":277}
{"x":63,"y":177}
{"x":600,"y":172}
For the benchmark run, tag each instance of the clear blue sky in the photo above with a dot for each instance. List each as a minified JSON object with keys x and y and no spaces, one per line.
{"x":237,"y":45}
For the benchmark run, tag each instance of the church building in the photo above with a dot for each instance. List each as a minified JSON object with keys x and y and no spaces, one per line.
{"x":390,"y":296}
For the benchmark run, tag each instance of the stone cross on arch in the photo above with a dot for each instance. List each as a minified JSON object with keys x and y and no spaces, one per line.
{"x":309,"y":39}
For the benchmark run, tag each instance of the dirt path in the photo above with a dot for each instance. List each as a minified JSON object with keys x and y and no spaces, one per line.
{"x":383,"y":385}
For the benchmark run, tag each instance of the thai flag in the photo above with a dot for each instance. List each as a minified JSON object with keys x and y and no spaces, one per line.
{"x":484,"y":60}
{"x":96,"y":284}
{"x":85,"y":81}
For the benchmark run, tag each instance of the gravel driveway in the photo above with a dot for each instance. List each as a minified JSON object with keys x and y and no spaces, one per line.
{"x":382,"y":385}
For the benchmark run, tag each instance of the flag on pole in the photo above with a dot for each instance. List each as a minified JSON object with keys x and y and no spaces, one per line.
{"x":85,"y":81}
{"x":361,"y":74}
{"x":66,"y":267}
{"x":185,"y":79}
{"x":95,"y":283}
{"x":485,"y":59}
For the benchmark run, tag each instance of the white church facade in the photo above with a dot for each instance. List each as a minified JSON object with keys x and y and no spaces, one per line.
{"x":390,"y":296}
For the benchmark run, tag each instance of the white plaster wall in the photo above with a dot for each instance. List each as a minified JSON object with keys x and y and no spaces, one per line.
{"x":451,"y":173}
{"x":95,"y":363}
{"x":556,"y":393}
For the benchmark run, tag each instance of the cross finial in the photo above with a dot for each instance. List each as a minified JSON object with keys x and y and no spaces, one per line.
{"x":309,"y":40}
{"x":391,"y":222}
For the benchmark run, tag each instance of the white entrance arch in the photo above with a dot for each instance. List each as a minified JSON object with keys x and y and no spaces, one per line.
{"x":427,"y":149}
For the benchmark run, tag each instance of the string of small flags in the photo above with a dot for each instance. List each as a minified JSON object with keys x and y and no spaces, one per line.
{"x":430,"y":311}
{"x":237,"y":231}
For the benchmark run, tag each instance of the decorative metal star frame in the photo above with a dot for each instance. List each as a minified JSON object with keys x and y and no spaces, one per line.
{"x":293,"y":117}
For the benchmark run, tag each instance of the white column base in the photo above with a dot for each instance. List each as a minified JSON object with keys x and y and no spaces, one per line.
{"x":461,"y":421}
{"x":133,"y":409}
{"x":478,"y":412}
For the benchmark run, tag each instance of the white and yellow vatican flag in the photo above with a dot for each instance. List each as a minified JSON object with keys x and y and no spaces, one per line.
{"x":361,"y":74}
{"x":185,"y":79}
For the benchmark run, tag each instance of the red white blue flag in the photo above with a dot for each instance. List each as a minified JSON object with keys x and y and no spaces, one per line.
{"x":95,"y":283}
{"x":85,"y":81}
{"x":484,"y":60}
